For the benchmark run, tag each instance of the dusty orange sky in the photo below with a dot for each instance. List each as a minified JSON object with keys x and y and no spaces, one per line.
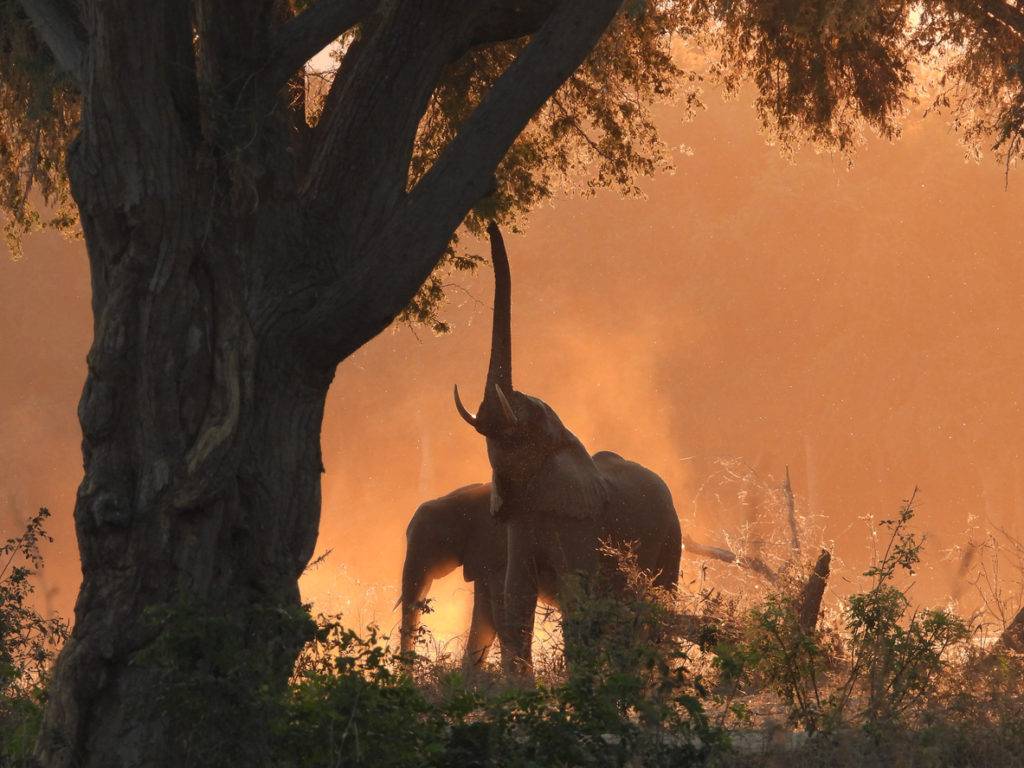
{"x":864,"y":328}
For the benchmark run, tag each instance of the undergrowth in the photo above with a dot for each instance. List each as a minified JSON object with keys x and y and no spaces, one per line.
{"x":644,"y":678}
{"x":28,"y":643}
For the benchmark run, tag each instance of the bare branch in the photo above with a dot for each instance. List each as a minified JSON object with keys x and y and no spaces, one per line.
{"x":755,"y":564}
{"x":787,"y":492}
{"x":693,"y":547}
{"x":301,"y":38}
{"x":59,"y":27}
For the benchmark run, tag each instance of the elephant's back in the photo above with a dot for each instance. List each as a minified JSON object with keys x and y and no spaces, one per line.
{"x":641,"y":510}
{"x":633,"y":483}
{"x":473,"y":490}
{"x":458,"y":510}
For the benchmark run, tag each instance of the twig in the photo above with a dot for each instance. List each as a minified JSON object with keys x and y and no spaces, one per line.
{"x":787,"y":490}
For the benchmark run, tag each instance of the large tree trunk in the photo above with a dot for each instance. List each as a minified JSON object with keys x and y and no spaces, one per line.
{"x":201,"y":421}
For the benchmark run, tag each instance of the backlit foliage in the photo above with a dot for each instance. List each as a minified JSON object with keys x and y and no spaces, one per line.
{"x":29,"y":642}
{"x":823,"y":69}
{"x":38,"y":112}
{"x":979,"y":67}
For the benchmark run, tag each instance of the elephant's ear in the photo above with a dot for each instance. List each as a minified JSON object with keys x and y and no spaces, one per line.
{"x":569,"y":484}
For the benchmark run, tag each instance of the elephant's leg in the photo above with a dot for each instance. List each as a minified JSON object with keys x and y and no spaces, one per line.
{"x":668,"y":562}
{"x":482,"y":629}
{"x":410,"y":623}
{"x":520,"y":606}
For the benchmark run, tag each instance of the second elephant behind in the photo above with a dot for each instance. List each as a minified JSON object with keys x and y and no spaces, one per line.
{"x":451,"y":531}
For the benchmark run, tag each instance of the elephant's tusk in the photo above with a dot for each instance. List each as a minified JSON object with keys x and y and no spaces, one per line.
{"x":398,"y":602}
{"x":509,"y":413}
{"x":466,"y":415}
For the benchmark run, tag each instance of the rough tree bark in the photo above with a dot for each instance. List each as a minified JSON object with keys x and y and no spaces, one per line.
{"x":237,"y":256}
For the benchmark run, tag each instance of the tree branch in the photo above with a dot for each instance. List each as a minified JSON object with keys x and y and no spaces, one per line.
{"x":397,"y":243}
{"x":422,"y":224}
{"x":59,"y":27}
{"x":462,"y":174}
{"x":756,"y":564}
{"x":501,"y":20}
{"x":301,"y":38}
{"x":809,"y":603}
{"x":1007,"y":15}
{"x":1012,"y":638}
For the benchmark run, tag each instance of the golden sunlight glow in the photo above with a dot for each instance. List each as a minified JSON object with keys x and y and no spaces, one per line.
{"x":862,"y":328}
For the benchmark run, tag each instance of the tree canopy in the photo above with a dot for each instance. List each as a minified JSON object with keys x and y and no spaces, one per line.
{"x":823,"y":69}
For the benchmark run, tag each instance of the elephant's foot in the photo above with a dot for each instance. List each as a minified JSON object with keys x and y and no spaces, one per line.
{"x":475,"y":657}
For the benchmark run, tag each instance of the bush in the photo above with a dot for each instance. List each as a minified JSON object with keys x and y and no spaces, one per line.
{"x":351,"y":704}
{"x":622,"y":698}
{"x":28,"y":644}
{"x":887,"y":661}
{"x":883,"y":683}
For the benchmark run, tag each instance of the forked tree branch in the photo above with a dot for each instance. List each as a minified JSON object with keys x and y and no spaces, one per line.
{"x":399,"y":257}
{"x":500,"y":20}
{"x":59,"y":27}
{"x":462,"y":174}
{"x":304,"y":36}
{"x":424,"y":221}
{"x":755,"y":564}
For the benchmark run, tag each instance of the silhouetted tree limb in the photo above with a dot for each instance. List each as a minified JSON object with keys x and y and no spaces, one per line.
{"x":58,"y":24}
{"x":299,"y":39}
{"x":1012,"y":638}
{"x":755,"y":564}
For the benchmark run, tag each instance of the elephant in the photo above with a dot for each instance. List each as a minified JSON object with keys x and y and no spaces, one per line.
{"x":454,"y":530}
{"x":559,"y":503}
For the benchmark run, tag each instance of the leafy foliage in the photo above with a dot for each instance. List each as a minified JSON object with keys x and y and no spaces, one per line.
{"x":885,"y":663}
{"x":625,"y":697}
{"x":28,"y":642}
{"x":38,"y":114}
{"x":882,"y":684}
{"x":351,"y":701}
{"x":822,"y":69}
{"x":597,"y":131}
{"x":977,"y":53}
{"x":350,"y":704}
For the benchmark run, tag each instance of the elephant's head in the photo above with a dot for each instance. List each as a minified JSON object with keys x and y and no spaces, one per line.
{"x":538,"y":464}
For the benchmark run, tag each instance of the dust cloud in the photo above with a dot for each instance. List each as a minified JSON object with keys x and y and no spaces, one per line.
{"x":863,"y":328}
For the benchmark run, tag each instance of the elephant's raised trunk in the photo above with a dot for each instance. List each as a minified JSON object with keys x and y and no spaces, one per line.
{"x":495,"y":413}
{"x":499,"y":372}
